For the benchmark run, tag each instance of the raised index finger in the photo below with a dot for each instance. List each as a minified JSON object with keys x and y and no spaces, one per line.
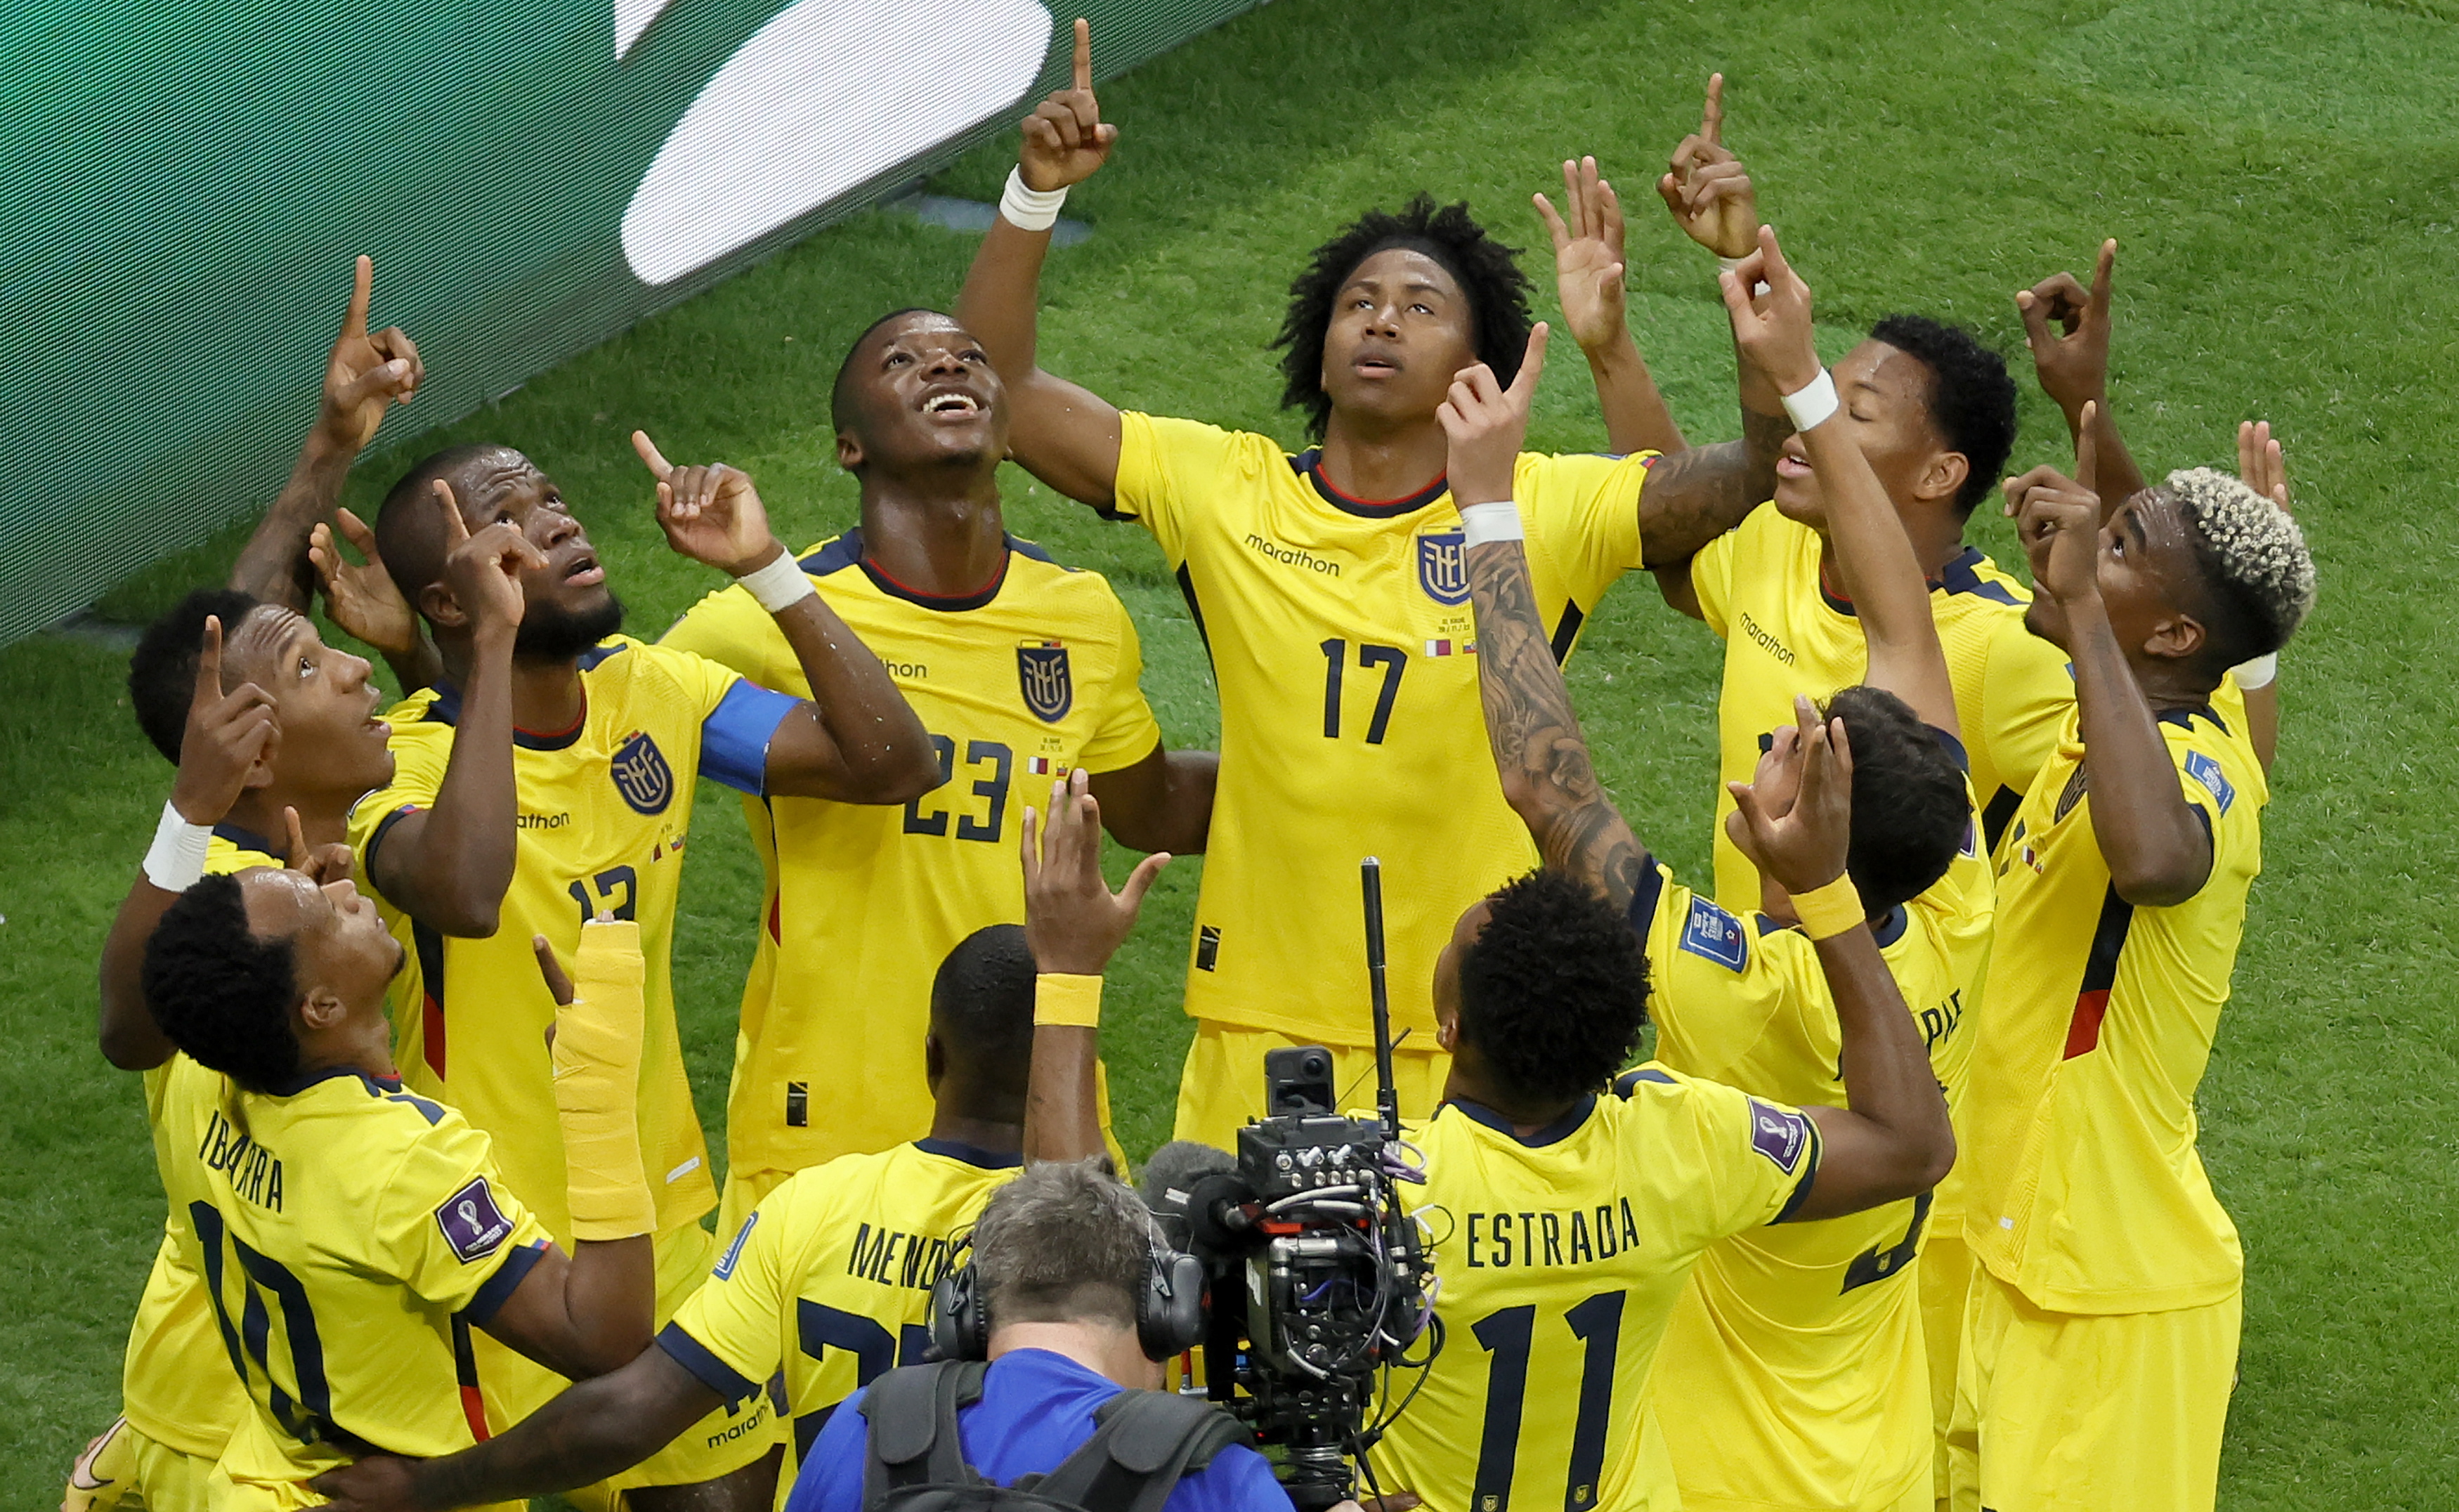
{"x":556,"y":982}
{"x":209,"y":663}
{"x":1711,"y":119}
{"x":456,"y":529}
{"x":650,"y":456}
{"x":2099,"y":304}
{"x":2088,"y":451}
{"x":1083,"y":54}
{"x":354,"y":323}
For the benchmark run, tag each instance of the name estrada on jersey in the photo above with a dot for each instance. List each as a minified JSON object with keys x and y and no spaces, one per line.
{"x":1561,"y":1255}
{"x":349,"y":1235}
{"x":1759,"y":586}
{"x":2088,"y":1194}
{"x":1793,"y":1373}
{"x":831,"y":1276}
{"x":1339,"y":632}
{"x":1032,"y":676}
{"x":175,"y":1385}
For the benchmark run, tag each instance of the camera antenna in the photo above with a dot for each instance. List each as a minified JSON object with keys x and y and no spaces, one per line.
{"x":1387,"y":1098}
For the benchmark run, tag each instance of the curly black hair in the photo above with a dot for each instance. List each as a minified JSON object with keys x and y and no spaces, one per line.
{"x":221,"y":994}
{"x":1487,"y":272}
{"x":1971,"y":398}
{"x":162,"y":673}
{"x":1912,"y":811}
{"x":1555,"y":990}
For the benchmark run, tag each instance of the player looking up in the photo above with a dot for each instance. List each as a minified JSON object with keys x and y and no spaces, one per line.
{"x":351,"y":1233}
{"x":1934,"y":412}
{"x":831,"y":1276}
{"x":1788,"y":1372}
{"x":1019,"y":668}
{"x":609,"y":738}
{"x":1329,"y":589}
{"x":2100,"y":1347}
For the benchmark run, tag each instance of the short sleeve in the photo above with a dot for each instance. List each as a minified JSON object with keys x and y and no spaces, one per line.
{"x":421,"y":750}
{"x":729,"y":628}
{"x":1711,"y":579}
{"x":727,"y":1333}
{"x":448,"y":1228}
{"x":2210,"y":787}
{"x":1127,"y":731}
{"x":2026,"y":695}
{"x":1585,"y":510}
{"x":1164,"y":470}
{"x":1755,"y":1158}
{"x":1716,"y":980}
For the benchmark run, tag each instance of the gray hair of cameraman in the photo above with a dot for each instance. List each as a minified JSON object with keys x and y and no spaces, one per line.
{"x":1065,"y":1242}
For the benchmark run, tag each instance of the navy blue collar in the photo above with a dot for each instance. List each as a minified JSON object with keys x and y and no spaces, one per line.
{"x":847,"y":550}
{"x":376,"y":1086}
{"x":445,"y":709}
{"x":971,"y":1154}
{"x":247,"y":840}
{"x":1308,"y":465}
{"x":1962,"y":575}
{"x":1554,"y":1133}
{"x":2184,"y":718}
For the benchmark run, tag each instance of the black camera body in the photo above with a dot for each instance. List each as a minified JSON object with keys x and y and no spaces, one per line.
{"x":1316,"y":1278}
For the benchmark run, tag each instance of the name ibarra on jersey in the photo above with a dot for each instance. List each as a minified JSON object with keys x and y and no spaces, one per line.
{"x":1766,"y":641}
{"x":253,"y":1171}
{"x":892,"y":1257}
{"x":1497,"y":1241}
{"x":1295,"y":556}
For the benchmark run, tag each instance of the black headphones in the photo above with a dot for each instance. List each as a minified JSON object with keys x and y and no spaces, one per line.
{"x":1169,"y":1306}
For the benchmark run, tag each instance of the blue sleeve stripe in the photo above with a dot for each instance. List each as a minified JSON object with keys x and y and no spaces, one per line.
{"x":1643,"y":900}
{"x":501,"y":1286}
{"x":734,"y":739}
{"x":1809,"y":1174}
{"x":706,"y":1367}
{"x":1954,"y":749}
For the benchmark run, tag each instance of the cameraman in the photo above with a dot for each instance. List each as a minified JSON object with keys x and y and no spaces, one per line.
{"x":1061,"y":1254}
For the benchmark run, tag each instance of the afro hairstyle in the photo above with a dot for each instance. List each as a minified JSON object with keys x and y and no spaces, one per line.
{"x":1912,"y":811}
{"x":1554,"y":991}
{"x":219,"y":992}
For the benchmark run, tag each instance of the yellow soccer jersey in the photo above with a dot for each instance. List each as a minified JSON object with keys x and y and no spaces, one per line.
{"x":831,"y":1277}
{"x":1032,"y":676}
{"x":1340,"y":634}
{"x":1793,"y":1373}
{"x":349,"y":1235}
{"x":2087,"y":1193}
{"x":1561,"y":1255}
{"x":175,"y":1383}
{"x":603,"y":810}
{"x":1785,"y":633}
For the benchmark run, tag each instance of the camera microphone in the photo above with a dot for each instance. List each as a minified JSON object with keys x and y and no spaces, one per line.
{"x":1200,"y":1199}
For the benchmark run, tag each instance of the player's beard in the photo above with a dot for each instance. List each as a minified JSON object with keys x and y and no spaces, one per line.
{"x":553,"y":633}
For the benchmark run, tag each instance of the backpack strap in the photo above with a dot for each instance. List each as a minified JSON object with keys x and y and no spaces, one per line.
{"x":1146,"y":1443}
{"x":912,"y":1439}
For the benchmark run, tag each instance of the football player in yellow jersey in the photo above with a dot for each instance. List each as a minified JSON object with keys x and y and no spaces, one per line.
{"x":1329,"y":589}
{"x":2100,"y":1346}
{"x":1019,"y":668}
{"x":609,"y":738}
{"x":351,"y":1234}
{"x":830,"y":1277}
{"x":1792,"y":1373}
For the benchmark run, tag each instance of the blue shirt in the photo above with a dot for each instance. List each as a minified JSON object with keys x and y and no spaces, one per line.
{"x":1036,"y":1408}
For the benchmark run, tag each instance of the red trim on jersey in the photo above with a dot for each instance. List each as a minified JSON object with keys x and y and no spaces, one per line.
{"x":2099,"y":975}
{"x":569,"y":730}
{"x":1441,"y":481}
{"x":776,"y":920}
{"x":2083,"y":1030}
{"x":984,"y":592}
{"x":431,"y":1024}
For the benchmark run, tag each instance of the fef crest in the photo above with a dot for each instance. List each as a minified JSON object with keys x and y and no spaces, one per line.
{"x":642,"y":776}
{"x":1042,"y":677}
{"x":1442,"y":567}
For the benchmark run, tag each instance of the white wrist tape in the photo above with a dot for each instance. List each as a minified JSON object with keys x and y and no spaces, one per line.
{"x":1030,"y":209}
{"x":1726,"y":265}
{"x":1813,"y":402}
{"x":780,"y":585}
{"x":2258,"y":673}
{"x":1480,"y":523}
{"x":177,"y":860}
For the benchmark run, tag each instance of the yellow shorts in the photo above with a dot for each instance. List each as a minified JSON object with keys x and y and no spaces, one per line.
{"x":1947,"y":1269}
{"x":746,"y":1186}
{"x":125,"y":1470}
{"x":1223,"y":1085}
{"x":2067,"y":1412}
{"x":721,"y":1443}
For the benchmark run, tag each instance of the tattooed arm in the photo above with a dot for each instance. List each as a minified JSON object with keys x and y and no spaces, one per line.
{"x":1535,"y":739}
{"x":1692,"y":498}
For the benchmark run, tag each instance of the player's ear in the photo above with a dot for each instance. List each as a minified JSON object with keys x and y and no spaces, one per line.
{"x":440,"y":609}
{"x":1944,"y":475}
{"x":321,"y":1009}
{"x":2176,"y":636}
{"x":934,"y":1060}
{"x":850,"y":452}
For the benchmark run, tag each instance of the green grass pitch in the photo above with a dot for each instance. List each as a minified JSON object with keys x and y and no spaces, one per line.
{"x":2284,"y":181}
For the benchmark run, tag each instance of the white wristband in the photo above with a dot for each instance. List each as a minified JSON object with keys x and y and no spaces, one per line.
{"x":1499,"y":521}
{"x":780,"y":585}
{"x":2258,"y":673}
{"x":1030,"y":209}
{"x":177,"y":859}
{"x":1813,"y":402}
{"x":1726,"y":265}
